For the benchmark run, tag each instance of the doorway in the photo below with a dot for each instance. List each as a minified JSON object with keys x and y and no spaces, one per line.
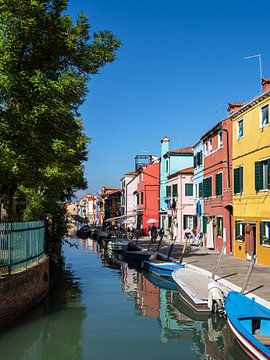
{"x":210,"y":234}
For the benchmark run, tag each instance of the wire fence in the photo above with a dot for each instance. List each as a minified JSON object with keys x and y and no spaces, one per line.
{"x":21,"y":244}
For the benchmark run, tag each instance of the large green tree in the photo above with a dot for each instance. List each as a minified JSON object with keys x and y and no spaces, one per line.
{"x":46,"y":61}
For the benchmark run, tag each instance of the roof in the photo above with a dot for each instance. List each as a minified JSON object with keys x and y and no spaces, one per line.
{"x":130,"y":173}
{"x":251,"y":103}
{"x":186,"y":171}
{"x":184,"y":150}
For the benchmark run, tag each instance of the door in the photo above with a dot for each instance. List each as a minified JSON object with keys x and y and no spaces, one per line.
{"x":250,"y":240}
{"x":210,"y":234}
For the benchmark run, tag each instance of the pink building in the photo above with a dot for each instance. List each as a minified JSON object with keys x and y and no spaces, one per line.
{"x":180,"y":203}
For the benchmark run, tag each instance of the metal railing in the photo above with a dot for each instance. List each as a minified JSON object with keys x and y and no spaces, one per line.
{"x":21,"y":244}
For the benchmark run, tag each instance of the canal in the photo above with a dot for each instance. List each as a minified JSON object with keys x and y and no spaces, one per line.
{"x":101,"y":309}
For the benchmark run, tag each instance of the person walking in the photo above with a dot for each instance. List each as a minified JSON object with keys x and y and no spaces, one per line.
{"x":153,"y":231}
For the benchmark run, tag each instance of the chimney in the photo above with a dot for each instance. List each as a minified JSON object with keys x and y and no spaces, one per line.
{"x":265,"y":84}
{"x":232,"y":107}
{"x":165,"y":143}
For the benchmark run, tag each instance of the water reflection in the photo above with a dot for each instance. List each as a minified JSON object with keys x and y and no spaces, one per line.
{"x":42,"y":333}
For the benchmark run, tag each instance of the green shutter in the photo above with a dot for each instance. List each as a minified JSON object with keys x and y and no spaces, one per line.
{"x":204,"y":186}
{"x":258,"y":175}
{"x":195,"y":160}
{"x":200,"y":189}
{"x":210,"y":187}
{"x":204,"y":224}
{"x":174,"y":190}
{"x":268,"y":168}
{"x":219,"y":225}
{"x":241,"y":180}
{"x":188,"y":189}
{"x":236,"y":179}
{"x":262,"y":231}
{"x":219,"y":184}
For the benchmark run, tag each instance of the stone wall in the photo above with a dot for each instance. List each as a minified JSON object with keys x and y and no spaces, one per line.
{"x":22,"y":290}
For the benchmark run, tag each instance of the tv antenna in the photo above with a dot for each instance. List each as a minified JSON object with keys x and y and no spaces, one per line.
{"x":259,"y":57}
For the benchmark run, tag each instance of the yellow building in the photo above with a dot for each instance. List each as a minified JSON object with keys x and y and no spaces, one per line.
{"x":251,"y":177}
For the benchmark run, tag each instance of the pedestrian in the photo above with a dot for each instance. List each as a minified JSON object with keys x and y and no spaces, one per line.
{"x":153,"y":231}
{"x":161,"y":233}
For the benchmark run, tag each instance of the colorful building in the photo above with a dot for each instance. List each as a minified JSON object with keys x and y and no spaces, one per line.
{"x":180,"y":203}
{"x":170,"y":162}
{"x":147,"y":194}
{"x":198,"y":184}
{"x":217,"y":189}
{"x":128,"y":187}
{"x":251,"y":175}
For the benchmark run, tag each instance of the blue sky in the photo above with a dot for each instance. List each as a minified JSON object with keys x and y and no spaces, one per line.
{"x":180,"y":63}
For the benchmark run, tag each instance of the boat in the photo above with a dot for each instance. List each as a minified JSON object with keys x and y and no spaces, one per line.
{"x":118,"y":244}
{"x":161,"y":268}
{"x":84,"y":231}
{"x":250,"y":323}
{"x":140,"y":255}
{"x":192,"y":285}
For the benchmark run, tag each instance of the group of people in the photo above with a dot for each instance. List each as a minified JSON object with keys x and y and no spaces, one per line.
{"x":154,"y":232}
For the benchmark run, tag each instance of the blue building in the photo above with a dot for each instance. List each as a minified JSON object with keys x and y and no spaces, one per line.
{"x":171,"y":161}
{"x":198,"y":184}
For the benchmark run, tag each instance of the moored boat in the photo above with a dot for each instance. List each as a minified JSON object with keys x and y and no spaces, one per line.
{"x":139,"y":256}
{"x":192,"y":285}
{"x":84,"y":231}
{"x":161,"y":268}
{"x":250,"y":323}
{"x":118,"y":244}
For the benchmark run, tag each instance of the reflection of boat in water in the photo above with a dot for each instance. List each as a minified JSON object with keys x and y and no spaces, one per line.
{"x":250,"y":323}
{"x":159,"y":282}
{"x":120,"y":245}
{"x":180,"y":304}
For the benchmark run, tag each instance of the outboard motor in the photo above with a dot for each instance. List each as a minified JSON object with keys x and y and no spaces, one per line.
{"x":215,"y":298}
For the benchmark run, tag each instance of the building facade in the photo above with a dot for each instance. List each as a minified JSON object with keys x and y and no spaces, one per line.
{"x":251,"y":175}
{"x":198,"y":185}
{"x":147,"y":195}
{"x":180,"y":204}
{"x":170,"y":162}
{"x":217,"y":189}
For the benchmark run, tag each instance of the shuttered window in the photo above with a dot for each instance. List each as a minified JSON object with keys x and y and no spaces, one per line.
{"x":204,"y":224}
{"x":168,"y":191}
{"x":207,"y":187}
{"x":264,"y":115}
{"x":141,"y":197}
{"x":188,"y":189}
{"x":195,"y":160}
{"x":262,"y":175}
{"x":219,"y":184}
{"x":239,"y":231}
{"x":265,"y":232}
{"x":174,"y":190}
{"x":219,"y":225}
{"x":238,"y":180}
{"x":200,"y":189}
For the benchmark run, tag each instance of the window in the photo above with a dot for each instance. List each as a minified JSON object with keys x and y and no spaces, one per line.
{"x":137,"y":197}
{"x":188,"y":189}
{"x":188,"y":221}
{"x":220,"y":139}
{"x":239,"y":231}
{"x":206,"y":148}
{"x":219,"y":226}
{"x":168,"y":191}
{"x":238,"y":180}
{"x":207,"y":187}
{"x":204,"y":224}
{"x":240,"y":129}
{"x":141,"y":176}
{"x":264,"y":115}
{"x":141,"y":197}
{"x":167,"y":165}
{"x":210,"y":147}
{"x":262,"y":175}
{"x":200,"y":189}
{"x":265,"y":233}
{"x":219,"y":184}
{"x":174,"y":190}
{"x":195,"y":161}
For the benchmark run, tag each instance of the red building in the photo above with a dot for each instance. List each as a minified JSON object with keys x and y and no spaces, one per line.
{"x":217,"y":186}
{"x":147,"y":195}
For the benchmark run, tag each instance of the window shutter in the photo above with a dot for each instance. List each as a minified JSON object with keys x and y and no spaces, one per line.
{"x":200,"y":190}
{"x":268,"y":169}
{"x":258,"y":176}
{"x":204,"y":224}
{"x":236,"y":178}
{"x":237,"y":229}
{"x":241,"y":180}
{"x":210,"y":187}
{"x":218,"y":184}
{"x":204,"y":186}
{"x":195,"y":160}
{"x":262,"y":231}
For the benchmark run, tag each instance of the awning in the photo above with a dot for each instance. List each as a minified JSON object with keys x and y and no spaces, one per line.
{"x":118,"y":218}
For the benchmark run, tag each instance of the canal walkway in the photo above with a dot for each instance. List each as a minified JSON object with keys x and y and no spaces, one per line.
{"x":231,"y":271}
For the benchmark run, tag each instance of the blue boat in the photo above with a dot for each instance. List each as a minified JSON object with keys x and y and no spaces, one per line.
{"x":250,"y":323}
{"x":161,"y":268}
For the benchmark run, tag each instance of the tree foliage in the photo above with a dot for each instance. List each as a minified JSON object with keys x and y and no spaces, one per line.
{"x":46,"y":61}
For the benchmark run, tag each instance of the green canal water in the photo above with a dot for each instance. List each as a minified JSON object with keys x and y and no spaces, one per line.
{"x":100,"y":309}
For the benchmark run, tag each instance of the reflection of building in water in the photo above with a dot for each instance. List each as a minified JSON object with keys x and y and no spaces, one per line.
{"x":129,"y":278}
{"x":147,"y":298}
{"x":173,"y":323}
